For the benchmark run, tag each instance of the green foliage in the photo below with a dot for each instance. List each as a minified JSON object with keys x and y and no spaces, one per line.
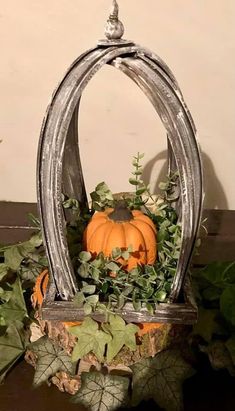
{"x":102,"y":197}
{"x":215,"y":289}
{"x":122,"y":334}
{"x":14,"y":309}
{"x":12,"y":346}
{"x":101,"y":392}
{"x":90,"y":339}
{"x":20,"y":265}
{"x":50,"y":359}
{"x":105,"y":341}
{"x":161,"y":378}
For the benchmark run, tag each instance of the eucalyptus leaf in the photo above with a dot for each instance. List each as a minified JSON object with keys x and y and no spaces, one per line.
{"x":79,"y":298}
{"x":89,"y":289}
{"x":85,"y":256}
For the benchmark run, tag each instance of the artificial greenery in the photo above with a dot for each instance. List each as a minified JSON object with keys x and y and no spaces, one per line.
{"x":104,"y":279}
{"x":105,"y":341}
{"x":214,"y":334}
{"x":50,"y":359}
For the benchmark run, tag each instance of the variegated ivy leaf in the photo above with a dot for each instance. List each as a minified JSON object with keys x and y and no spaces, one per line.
{"x":122,"y":334}
{"x":102,"y":392}
{"x":51,"y":359}
{"x":90,"y":339}
{"x":161,"y":378}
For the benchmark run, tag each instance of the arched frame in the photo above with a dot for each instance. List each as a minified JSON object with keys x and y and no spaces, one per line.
{"x":59,"y":162}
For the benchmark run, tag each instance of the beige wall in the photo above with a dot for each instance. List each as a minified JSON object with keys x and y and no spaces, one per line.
{"x":39,"y":40}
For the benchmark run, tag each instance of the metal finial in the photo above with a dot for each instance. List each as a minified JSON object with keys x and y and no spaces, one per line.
{"x":114,"y":28}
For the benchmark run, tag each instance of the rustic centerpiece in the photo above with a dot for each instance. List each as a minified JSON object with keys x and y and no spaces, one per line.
{"x":60,"y":171}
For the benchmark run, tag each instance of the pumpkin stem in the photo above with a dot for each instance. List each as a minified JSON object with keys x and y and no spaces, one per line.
{"x":121,"y":212}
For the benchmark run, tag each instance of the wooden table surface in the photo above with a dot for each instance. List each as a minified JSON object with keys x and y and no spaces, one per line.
{"x":208,"y":390}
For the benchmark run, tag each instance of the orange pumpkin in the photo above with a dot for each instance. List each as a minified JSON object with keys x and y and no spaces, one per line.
{"x":120,"y":227}
{"x":39,"y":292}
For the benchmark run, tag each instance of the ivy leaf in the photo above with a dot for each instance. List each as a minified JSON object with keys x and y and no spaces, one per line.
{"x":14,"y":309}
{"x":161,"y":378}
{"x":102,"y":392}
{"x":122,"y":334}
{"x":90,"y":339}
{"x":220,"y":274}
{"x":206,"y":325}
{"x":12,"y":346}
{"x":51,"y":359}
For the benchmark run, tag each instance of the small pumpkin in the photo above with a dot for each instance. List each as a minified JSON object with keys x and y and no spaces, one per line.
{"x":121,"y":227}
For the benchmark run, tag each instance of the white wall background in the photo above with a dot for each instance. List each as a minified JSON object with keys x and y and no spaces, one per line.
{"x":40,"y":38}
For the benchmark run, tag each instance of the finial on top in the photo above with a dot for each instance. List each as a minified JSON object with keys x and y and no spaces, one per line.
{"x":114,"y":28}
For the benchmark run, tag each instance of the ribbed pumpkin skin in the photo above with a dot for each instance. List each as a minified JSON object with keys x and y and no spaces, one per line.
{"x":103,"y":235}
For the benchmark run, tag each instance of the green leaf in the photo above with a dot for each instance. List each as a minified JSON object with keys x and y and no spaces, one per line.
{"x":83,"y":270}
{"x":206,"y":325}
{"x":140,"y":191}
{"x":122,"y":334}
{"x":116,"y":252}
{"x":220,"y":274}
{"x":92,"y":299}
{"x":14,"y":309}
{"x":161,"y":378}
{"x":85,"y":256}
{"x":90,"y":339}
{"x":87,"y":308}
{"x":35,"y":241}
{"x":160,"y":296}
{"x":15,"y":254}
{"x":89,"y":289}
{"x":79,"y":298}
{"x":102,"y":392}
{"x":227,"y":304}
{"x":112,"y":266}
{"x":133,"y":181}
{"x":50,"y":359}
{"x":12,"y":346}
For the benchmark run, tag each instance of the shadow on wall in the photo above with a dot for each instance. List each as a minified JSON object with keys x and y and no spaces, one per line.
{"x":215,"y":197}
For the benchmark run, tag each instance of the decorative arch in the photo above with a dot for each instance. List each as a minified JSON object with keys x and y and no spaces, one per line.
{"x":59,"y":162}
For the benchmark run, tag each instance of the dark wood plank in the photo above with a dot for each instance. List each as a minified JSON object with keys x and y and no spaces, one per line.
{"x":220,"y":222}
{"x":16,"y":214}
{"x":18,"y":394}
